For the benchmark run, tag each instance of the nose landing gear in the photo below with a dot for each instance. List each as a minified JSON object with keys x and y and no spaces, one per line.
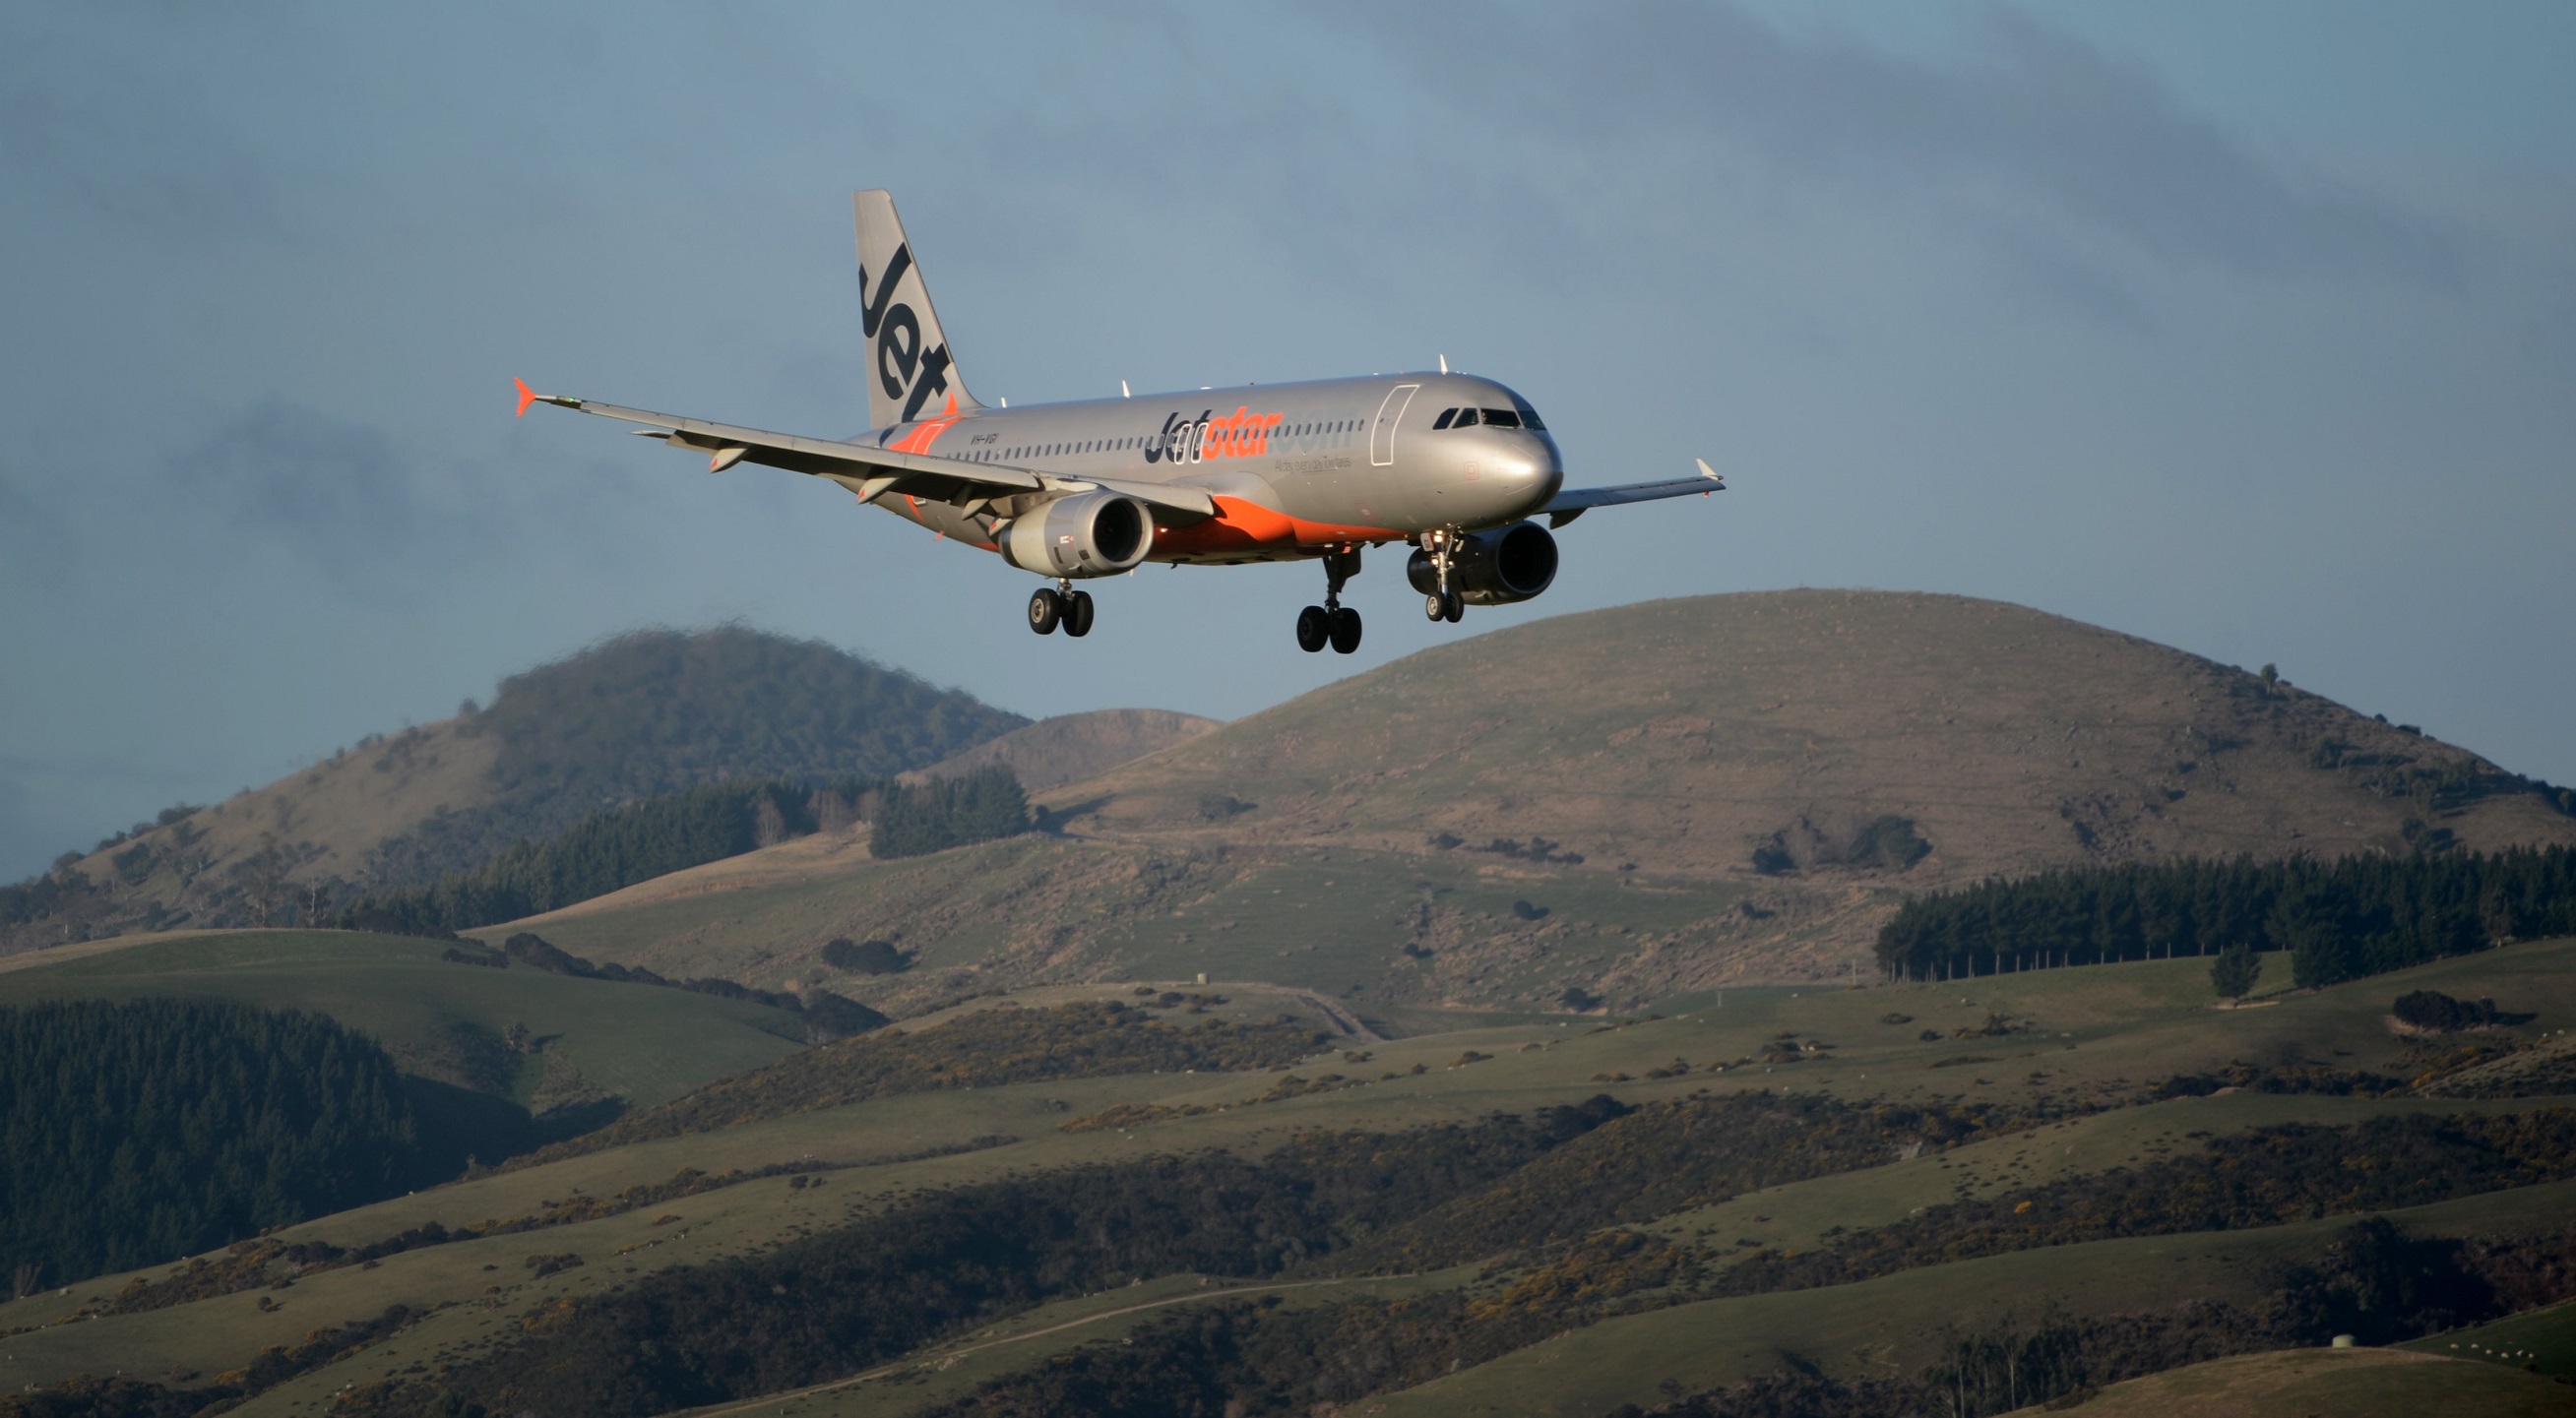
{"x":1332,"y":623}
{"x":1060,"y":607}
{"x":1444,"y":603}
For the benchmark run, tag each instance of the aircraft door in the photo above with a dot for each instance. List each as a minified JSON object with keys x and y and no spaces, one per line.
{"x":1389,"y":414}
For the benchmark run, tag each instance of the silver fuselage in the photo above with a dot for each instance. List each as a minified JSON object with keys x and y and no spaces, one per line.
{"x":1295,"y":470}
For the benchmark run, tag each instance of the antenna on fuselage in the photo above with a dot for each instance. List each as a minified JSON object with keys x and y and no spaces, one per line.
{"x":1122,"y":390}
{"x":1444,"y":364}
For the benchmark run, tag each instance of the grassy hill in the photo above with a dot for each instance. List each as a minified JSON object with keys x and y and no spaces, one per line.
{"x":1684,"y":736}
{"x":1071,"y":747}
{"x":1625,"y":804}
{"x":2068,"y":1088}
{"x":649,"y":712}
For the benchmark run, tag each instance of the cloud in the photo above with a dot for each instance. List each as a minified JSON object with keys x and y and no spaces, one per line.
{"x":2034,"y":115}
{"x":34,"y":553}
{"x":118,"y":112}
{"x":339,"y":494}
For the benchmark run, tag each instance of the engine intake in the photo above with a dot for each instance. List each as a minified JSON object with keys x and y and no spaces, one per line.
{"x":1088,"y":534}
{"x":1493,"y":568}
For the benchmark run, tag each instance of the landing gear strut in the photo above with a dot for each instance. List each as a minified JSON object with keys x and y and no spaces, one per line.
{"x":1444,"y":603}
{"x":1060,"y":607}
{"x":1332,"y":622}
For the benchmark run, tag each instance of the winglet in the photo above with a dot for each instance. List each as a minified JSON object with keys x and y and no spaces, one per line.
{"x":1704,"y":471}
{"x":529,"y":396}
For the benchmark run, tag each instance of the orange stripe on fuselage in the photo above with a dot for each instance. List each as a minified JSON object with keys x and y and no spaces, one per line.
{"x":1248,"y":526}
{"x":925,"y":434}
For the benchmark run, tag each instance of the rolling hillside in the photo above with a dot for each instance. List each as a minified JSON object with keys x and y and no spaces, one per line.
{"x":649,"y":712}
{"x":1610,"y":1261}
{"x":1622,"y":805}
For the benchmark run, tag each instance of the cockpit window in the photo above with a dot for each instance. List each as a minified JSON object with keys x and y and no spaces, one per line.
{"x":1529,"y":416}
{"x":1443,"y":421}
{"x":1503,"y":418}
{"x":1466,"y":419}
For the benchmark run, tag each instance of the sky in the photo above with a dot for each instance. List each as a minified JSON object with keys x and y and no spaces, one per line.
{"x":2247,"y":329}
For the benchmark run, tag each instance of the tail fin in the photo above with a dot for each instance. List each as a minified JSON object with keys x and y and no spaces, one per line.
{"x":910,"y":371}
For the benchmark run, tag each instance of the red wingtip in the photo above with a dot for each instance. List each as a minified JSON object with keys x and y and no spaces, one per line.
{"x":527,"y":396}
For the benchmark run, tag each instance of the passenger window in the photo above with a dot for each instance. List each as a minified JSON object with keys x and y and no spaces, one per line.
{"x":1502,"y":418}
{"x":1443,"y":421}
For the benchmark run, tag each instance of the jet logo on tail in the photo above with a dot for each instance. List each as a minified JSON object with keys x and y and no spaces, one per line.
{"x":907,"y":371}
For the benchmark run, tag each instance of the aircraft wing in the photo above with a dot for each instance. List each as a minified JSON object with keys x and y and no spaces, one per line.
{"x":874,"y":472}
{"x":1573,"y":503}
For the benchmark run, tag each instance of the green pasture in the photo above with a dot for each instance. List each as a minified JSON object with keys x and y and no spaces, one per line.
{"x":2347,"y":1383}
{"x":643,"y":1044}
{"x":2544,"y":1339}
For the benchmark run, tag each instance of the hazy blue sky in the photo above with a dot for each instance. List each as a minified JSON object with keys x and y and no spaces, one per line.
{"x":2250,"y":329}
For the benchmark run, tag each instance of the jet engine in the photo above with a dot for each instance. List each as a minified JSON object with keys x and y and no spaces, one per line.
{"x":1088,"y":534}
{"x":1492,"y":568}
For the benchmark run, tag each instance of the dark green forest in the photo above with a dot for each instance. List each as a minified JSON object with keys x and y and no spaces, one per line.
{"x":2338,"y":920}
{"x":135,"y":1133}
{"x":639,"y":841}
{"x":600,"y":854}
{"x":659,"y":711}
{"x":981,"y":806}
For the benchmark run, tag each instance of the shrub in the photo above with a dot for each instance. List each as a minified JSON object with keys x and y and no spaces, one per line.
{"x":2235,"y":971}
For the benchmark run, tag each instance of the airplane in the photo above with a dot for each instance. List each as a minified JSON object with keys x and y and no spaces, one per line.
{"x":1453,"y":465}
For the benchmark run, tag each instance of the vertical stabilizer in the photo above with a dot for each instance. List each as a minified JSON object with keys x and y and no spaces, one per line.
{"x":911,"y":373}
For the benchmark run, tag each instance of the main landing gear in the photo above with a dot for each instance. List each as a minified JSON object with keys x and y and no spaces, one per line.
{"x":1060,"y":607}
{"x":1444,"y":603}
{"x":1332,"y":622}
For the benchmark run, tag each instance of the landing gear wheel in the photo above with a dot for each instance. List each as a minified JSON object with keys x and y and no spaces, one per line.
{"x":1077,"y":614}
{"x":1314,"y":627}
{"x":1456,"y":610}
{"x":1045,"y":609}
{"x":1346,"y":630}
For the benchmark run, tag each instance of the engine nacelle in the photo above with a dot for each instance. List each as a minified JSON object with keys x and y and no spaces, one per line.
{"x":1493,"y":568}
{"x":1088,"y":534}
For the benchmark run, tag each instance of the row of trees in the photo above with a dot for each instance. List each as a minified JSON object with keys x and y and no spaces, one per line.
{"x":981,"y":806}
{"x":134,"y":1133}
{"x":2338,"y":920}
{"x":598,"y":855}
{"x":673,"y":832}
